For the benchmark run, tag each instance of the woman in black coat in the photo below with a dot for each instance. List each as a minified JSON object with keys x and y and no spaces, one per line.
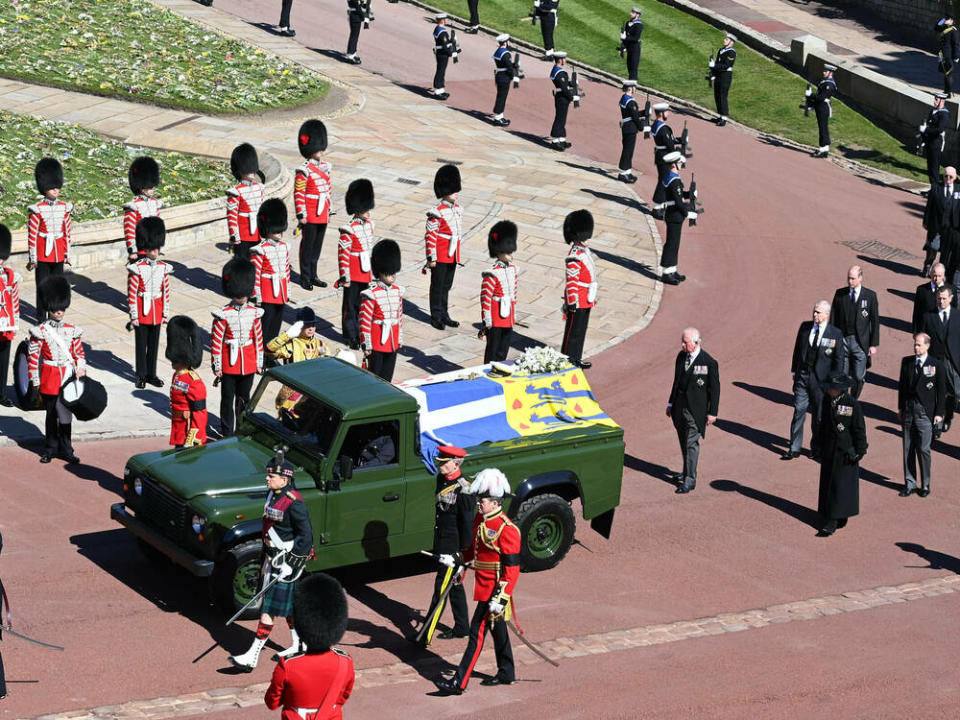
{"x":843,"y":442}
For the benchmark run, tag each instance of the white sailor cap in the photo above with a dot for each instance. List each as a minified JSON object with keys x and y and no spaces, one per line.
{"x":672,"y":157}
{"x":829,"y":68}
{"x":503,"y":37}
{"x":660,"y":107}
{"x":733,"y":38}
{"x":440,"y":16}
{"x":637,"y":10}
{"x":559,"y":55}
{"x":941,"y":95}
{"x":629,"y":84}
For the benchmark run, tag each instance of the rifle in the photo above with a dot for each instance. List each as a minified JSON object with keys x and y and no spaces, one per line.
{"x":622,"y":47}
{"x":533,"y":14}
{"x":367,"y":13}
{"x":709,"y":77}
{"x":456,"y":46}
{"x":685,"y":148}
{"x":921,"y":144}
{"x":806,"y":102}
{"x":646,"y":117}
{"x":575,"y":81}
{"x":692,"y":195}
{"x":517,"y":72}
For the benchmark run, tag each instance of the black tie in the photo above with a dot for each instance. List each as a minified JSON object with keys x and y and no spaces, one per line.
{"x":916,"y":368}
{"x":816,"y":334}
{"x":943,"y":317}
{"x":686,"y":365}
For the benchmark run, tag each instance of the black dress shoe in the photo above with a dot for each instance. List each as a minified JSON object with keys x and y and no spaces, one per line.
{"x":46,"y":457}
{"x":449,"y":686}
{"x":503,"y":122}
{"x":288,"y":32}
{"x":721,"y":122}
{"x":584,"y":364}
{"x":70,"y":457}
{"x":945,"y":426}
{"x":496,"y":680}
{"x":923,"y":492}
{"x":306,"y":285}
{"x":669,"y":279}
{"x":829,"y":529}
{"x":815,"y":457}
{"x":841,"y":523}
{"x":679,"y":277}
{"x":141,"y":383}
{"x":907,"y":492}
{"x":5,"y":401}
{"x":451,"y":634}
{"x":451,"y":323}
{"x":790,"y":455}
{"x":155,"y":381}
{"x":438,"y":324}
{"x":683,"y":490}
{"x":567,"y":144}
{"x":319,"y":283}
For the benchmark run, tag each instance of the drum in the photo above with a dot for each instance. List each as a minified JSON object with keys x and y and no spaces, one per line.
{"x":84,"y":397}
{"x":21,"y":378}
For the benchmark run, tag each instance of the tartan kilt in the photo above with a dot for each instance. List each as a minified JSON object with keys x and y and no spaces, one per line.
{"x":278,"y":602}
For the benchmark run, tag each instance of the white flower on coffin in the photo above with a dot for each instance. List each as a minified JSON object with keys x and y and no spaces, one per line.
{"x":541,"y":359}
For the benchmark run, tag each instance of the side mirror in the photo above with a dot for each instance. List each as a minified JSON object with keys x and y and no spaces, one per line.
{"x":345,"y":467}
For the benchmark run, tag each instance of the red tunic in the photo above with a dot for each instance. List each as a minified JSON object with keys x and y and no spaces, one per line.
{"x":581,"y":285}
{"x":271,"y":258}
{"x":243,"y":202}
{"x":148,"y":291}
{"x":54,"y":349}
{"x":498,"y":295}
{"x":236,"y":340}
{"x":496,"y":555}
{"x":353,"y":250}
{"x":133,"y":212}
{"x":48,"y":231}
{"x":9,"y":303}
{"x":311,"y":191}
{"x":188,"y":394}
{"x":318,"y":684}
{"x":444,"y":232}
{"x":381,"y":317}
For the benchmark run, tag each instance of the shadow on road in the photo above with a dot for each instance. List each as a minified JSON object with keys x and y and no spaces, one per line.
{"x":781,"y":397}
{"x":761,"y":438}
{"x":807,"y":516}
{"x":896,"y":324}
{"x":905,"y":294}
{"x":660,"y":472}
{"x":937,"y":560}
{"x":627,"y":264}
{"x":891,"y":265}
{"x":104,"y":478}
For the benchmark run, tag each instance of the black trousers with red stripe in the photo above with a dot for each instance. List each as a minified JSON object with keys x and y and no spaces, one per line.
{"x":574,"y":333}
{"x":501,"y":647}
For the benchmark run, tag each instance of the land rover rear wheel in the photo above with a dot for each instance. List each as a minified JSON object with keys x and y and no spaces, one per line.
{"x":547,"y":526}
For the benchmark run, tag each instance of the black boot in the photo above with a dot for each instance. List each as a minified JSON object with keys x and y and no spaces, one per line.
{"x":66,"y":447}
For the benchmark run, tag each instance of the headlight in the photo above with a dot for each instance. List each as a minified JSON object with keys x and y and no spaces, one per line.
{"x":197,"y":522}
{"x":138,"y":486}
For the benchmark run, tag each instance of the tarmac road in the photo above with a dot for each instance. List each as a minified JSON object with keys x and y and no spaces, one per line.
{"x":779,"y":233}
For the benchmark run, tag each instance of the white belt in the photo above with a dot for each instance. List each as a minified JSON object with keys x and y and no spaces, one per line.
{"x":251,"y":221}
{"x":624,"y":121}
{"x":49,"y":244}
{"x":274,"y":281}
{"x":235,"y":346}
{"x":58,"y":363}
{"x":304,"y":712}
{"x":660,"y":147}
{"x":502,"y":70}
{"x":146,"y":301}
{"x":386,"y":329}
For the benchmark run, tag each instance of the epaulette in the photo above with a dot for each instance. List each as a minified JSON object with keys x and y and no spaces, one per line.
{"x":292,"y":494}
{"x":69,"y":206}
{"x":338,"y":651}
{"x":218,"y":314}
{"x":35,"y":208}
{"x":233,"y":191}
{"x":37,"y":331}
{"x":131,"y":206}
{"x":194,"y":374}
{"x":432,"y":212}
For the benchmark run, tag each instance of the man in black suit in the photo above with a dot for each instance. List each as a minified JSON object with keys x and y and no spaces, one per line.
{"x":856,"y":312}
{"x":694,"y":402}
{"x":818,"y":351}
{"x":943,"y":327}
{"x":937,"y":217}
{"x":925,"y":299}
{"x":921,"y":395}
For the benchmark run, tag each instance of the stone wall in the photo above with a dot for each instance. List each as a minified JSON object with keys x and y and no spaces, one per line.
{"x":916,"y":17}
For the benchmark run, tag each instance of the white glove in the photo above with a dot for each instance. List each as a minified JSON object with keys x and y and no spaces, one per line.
{"x":295,"y":329}
{"x":623,"y":36}
{"x":536,"y":3}
{"x":711,"y":63}
{"x":455,"y":54}
{"x":808,"y":92}
{"x":696,"y":194}
{"x":691,"y":215}
{"x":495,"y":607}
{"x":576,"y":98}
{"x":923,"y":128}
{"x":285,"y":570}
{"x":447,"y":560}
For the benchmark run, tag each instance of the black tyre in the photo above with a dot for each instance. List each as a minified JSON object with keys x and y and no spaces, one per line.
{"x":153,"y":556}
{"x":236,"y":579}
{"x":547,"y":525}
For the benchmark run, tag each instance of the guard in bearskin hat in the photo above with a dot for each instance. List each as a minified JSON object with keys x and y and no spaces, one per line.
{"x":320,"y":679}
{"x":188,"y":393}
{"x":9,"y":310}
{"x":443,"y":235}
{"x":271,"y":258}
{"x":244,"y":200}
{"x":580,"y":291}
{"x":144,"y":177}
{"x":236,"y":342}
{"x":300,"y":341}
{"x":381,"y":311}
{"x":148,"y":298}
{"x":55,"y":354}
{"x":288,"y":544}
{"x":498,"y":292}
{"x":311,"y":199}
{"x":495,"y":551}
{"x":48,"y":228}
{"x":353,"y":256}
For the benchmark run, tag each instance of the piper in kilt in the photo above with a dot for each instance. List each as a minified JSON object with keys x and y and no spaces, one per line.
{"x":287,"y":545}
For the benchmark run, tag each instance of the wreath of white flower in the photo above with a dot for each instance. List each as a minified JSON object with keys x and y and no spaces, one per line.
{"x":541,"y":359}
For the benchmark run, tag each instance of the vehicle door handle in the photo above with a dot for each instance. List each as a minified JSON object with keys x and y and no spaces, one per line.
{"x":391,"y":498}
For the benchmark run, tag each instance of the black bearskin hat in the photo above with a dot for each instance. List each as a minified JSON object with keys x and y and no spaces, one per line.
{"x":385,"y":258}
{"x":272,"y":217}
{"x":312,"y":137}
{"x":446,"y":181}
{"x":48,"y":174}
{"x":502,"y":238}
{"x":6,"y":242}
{"x":238,"y":277}
{"x":359,"y":197}
{"x":144,"y":173}
{"x":319,"y":611}
{"x":578,"y":226}
{"x":55,"y":293}
{"x":183,"y":342}
{"x":244,"y":161}
{"x":151,"y":233}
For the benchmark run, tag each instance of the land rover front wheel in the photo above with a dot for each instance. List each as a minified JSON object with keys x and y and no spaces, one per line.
{"x":236,"y":578}
{"x":546,"y":525}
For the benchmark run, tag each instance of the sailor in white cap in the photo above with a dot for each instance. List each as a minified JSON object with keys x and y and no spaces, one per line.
{"x":474,"y":27}
{"x":933,"y":135}
{"x":564,"y":93}
{"x":663,"y":142}
{"x":631,"y":122}
{"x":507,"y":71}
{"x":721,"y":70}
{"x":820,"y":102}
{"x":948,"y":52}
{"x":675,"y":209}
{"x":630,"y":41}
{"x":444,"y":47}
{"x":546,"y":12}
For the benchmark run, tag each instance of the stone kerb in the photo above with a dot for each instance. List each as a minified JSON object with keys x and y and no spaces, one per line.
{"x":99,"y":243}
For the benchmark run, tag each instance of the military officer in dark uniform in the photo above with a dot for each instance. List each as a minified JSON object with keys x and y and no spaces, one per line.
{"x":631,"y":123}
{"x":506,"y":72}
{"x":820,"y":102}
{"x":288,"y":544}
{"x":938,"y":219}
{"x":563,"y":94}
{"x":677,"y":205}
{"x":934,"y":133}
{"x":546,"y":11}
{"x":316,"y":683}
{"x":356,"y":16}
{"x":444,"y":49}
{"x":819,"y":351}
{"x":856,"y":312}
{"x":721,"y":70}
{"x":948,"y":52}
{"x":452,"y":534}
{"x":921,"y":398}
{"x":474,"y":27}
{"x":943,"y":327}
{"x":843,"y":443}
{"x":631,"y":42}
{"x":693,"y":404}
{"x":283,"y":27}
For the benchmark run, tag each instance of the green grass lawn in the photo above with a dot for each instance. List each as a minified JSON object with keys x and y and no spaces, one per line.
{"x":133,"y":49}
{"x":95,"y":170}
{"x":676,"y":47}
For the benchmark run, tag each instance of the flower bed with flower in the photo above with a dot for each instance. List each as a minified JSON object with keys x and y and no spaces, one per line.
{"x":541,"y":359}
{"x":94,"y":168}
{"x":137,"y":50}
